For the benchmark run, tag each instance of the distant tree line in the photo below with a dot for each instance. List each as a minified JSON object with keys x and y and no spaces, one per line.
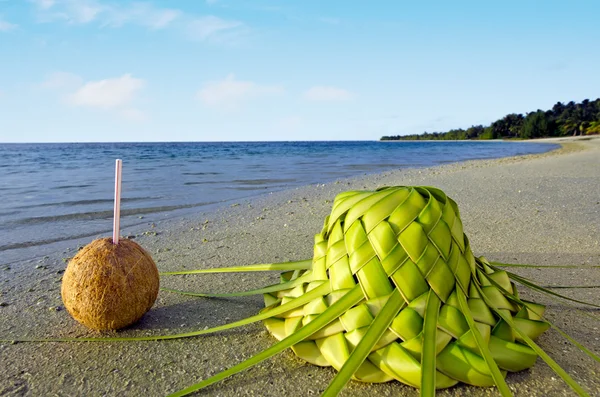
{"x":562,"y":120}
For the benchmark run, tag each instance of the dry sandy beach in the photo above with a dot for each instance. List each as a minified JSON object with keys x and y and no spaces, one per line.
{"x":540,"y":209}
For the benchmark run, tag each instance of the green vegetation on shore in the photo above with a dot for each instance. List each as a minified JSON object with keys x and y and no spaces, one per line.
{"x":562,"y":120}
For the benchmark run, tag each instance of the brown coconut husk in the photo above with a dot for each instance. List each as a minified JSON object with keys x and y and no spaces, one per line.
{"x":109,"y":286}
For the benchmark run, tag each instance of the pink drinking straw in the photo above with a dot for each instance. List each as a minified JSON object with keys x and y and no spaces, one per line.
{"x":117,"y":214}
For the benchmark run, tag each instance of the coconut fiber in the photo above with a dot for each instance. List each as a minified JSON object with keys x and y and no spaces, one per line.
{"x":109,"y":286}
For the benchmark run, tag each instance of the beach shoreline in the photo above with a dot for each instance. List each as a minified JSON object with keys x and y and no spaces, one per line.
{"x":540,"y":209}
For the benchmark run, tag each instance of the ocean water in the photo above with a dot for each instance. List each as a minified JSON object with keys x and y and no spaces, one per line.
{"x":50,"y":193}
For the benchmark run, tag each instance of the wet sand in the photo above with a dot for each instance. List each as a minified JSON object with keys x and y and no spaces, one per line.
{"x":537,"y":209}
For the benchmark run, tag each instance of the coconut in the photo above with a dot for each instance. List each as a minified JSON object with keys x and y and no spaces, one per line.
{"x":109,"y":286}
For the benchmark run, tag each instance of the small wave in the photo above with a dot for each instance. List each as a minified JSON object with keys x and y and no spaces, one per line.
{"x":265,"y":181}
{"x":103,"y":214}
{"x":85,"y":202}
{"x":27,"y":244}
{"x":71,"y":186}
{"x":203,"y":183}
{"x":20,"y":193}
{"x":250,"y":188}
{"x":202,"y":173}
{"x":9,"y":213}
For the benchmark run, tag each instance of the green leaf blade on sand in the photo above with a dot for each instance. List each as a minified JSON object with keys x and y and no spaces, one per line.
{"x":544,"y":266}
{"x":286,"y":266}
{"x":379,"y":325}
{"x":334,"y":311}
{"x":540,"y":352}
{"x":265,"y":290}
{"x":483,"y":347}
{"x":428,"y":359}
{"x":570,"y":286}
{"x":323,"y":289}
{"x":531,"y":285}
{"x":561,"y":332}
{"x":577,"y":344}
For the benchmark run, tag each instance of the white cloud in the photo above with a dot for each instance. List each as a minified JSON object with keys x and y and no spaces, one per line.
{"x":44,"y":4}
{"x":113,"y":14}
{"x":229,"y":92}
{"x":85,"y":11}
{"x":326,"y":93}
{"x":163,"y":18}
{"x":5,"y":26}
{"x":107,"y":93}
{"x":117,"y":95}
{"x":142,"y":14}
{"x":211,"y":28}
{"x":71,"y":11}
{"x":62,"y":80}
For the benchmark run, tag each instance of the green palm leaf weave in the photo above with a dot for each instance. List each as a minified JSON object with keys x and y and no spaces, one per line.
{"x":408,"y":242}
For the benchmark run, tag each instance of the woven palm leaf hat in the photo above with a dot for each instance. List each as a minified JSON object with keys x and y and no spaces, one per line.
{"x":403,"y":250}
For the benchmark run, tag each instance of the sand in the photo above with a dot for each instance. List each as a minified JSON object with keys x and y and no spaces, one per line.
{"x":538,"y":209}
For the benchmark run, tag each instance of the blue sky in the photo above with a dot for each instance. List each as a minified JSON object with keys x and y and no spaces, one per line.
{"x":104,"y":70}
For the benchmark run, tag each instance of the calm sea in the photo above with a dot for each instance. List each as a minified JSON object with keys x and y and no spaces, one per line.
{"x":56,"y":192}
